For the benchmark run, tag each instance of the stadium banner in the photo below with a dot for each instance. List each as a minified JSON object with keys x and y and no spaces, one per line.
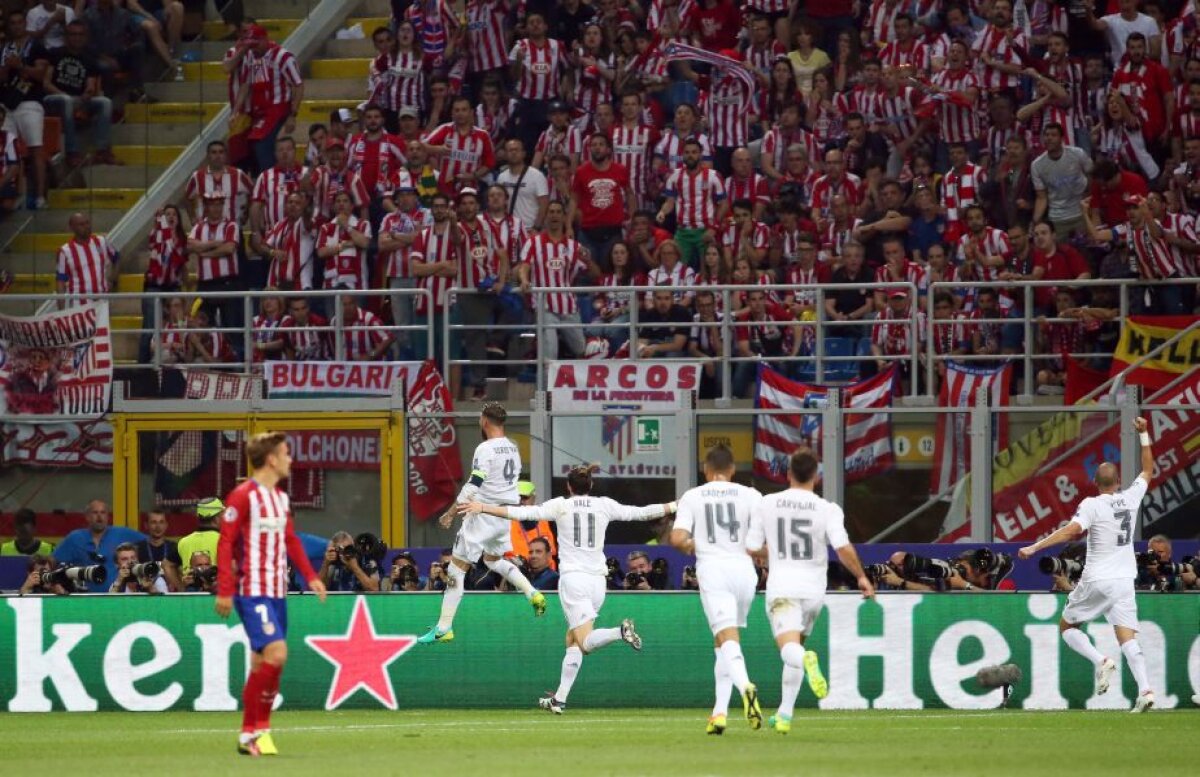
{"x":1142,"y":334}
{"x":354,"y":449}
{"x":87,"y":445}
{"x":901,"y":651}
{"x":624,"y":445}
{"x":952,"y":453}
{"x":56,"y":363}
{"x":295,"y":380}
{"x":868,"y":436}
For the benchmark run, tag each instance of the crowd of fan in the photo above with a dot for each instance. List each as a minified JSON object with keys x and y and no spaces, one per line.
{"x":697,"y":144}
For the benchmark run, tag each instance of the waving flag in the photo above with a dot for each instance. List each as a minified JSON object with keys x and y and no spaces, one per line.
{"x":952,"y":451}
{"x":868,"y":447}
{"x":677,"y":52}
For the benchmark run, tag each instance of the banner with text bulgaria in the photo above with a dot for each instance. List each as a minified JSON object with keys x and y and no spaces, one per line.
{"x":901,"y":651}
{"x":624,"y":445}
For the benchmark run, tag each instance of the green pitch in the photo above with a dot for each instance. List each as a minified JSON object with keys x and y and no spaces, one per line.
{"x":618,"y":742}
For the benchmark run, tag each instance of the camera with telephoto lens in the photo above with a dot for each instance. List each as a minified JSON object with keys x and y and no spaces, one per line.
{"x":1147,"y":558}
{"x":1188,"y":565}
{"x":996,"y":565}
{"x":659,"y":569}
{"x":877,"y":572}
{"x":634,"y":579}
{"x":67,"y":577}
{"x":205,"y":577}
{"x":929,"y":568}
{"x":1057,"y":565}
{"x":370,"y":547}
{"x":348,"y":553}
{"x":408,"y":575}
{"x":147,"y":570}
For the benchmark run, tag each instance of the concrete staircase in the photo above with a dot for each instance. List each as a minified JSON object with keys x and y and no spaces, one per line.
{"x":153,"y":135}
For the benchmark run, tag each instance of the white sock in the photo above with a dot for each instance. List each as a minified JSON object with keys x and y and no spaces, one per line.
{"x":1137,"y":664}
{"x":599,"y":638}
{"x":509,"y":572}
{"x":793,"y":679}
{"x":735,"y":663}
{"x":724,"y":684}
{"x":452,"y":597}
{"x":1079,"y":642}
{"x":793,"y":655}
{"x":572,"y":660}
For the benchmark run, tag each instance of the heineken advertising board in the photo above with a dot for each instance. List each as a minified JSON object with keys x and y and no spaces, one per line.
{"x":900,"y":651}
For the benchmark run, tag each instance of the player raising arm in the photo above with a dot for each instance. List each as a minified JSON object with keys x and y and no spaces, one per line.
{"x":495,"y":468}
{"x":1106,"y":585}
{"x":257,"y":541}
{"x":582,"y":522}
{"x":711,"y":522}
{"x":795,"y":525}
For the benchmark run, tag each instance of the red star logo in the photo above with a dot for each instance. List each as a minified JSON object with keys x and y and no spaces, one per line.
{"x":361,"y":658}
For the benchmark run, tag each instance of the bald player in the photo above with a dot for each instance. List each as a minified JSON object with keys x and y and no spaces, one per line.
{"x":1106,"y":585}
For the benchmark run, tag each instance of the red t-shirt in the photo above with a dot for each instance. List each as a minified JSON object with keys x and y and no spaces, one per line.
{"x":718,"y":26}
{"x":600,"y":195}
{"x":1109,"y":201}
{"x":1066,"y":264}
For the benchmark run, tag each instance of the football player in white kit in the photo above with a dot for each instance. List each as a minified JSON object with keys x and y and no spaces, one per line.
{"x":1106,"y":585}
{"x":711,"y":522}
{"x":582,"y":522}
{"x":795,"y":526}
{"x":495,"y":468}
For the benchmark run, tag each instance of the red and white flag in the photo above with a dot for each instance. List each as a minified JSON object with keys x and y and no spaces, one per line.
{"x":435,"y":469}
{"x":868,"y":436}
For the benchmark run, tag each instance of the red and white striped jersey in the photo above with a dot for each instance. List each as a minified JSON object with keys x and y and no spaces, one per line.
{"x":554,"y":263}
{"x":436,"y":244}
{"x":996,"y":140}
{"x":680,"y":276}
{"x":495,"y":122}
{"x":1182,"y":225}
{"x":272,"y":76}
{"x":767,"y":6}
{"x":298,"y":241}
{"x":485,"y":34}
{"x":327,"y":183}
{"x":753,"y":187}
{"x":670,"y":148}
{"x":397,"y":81}
{"x":466,"y":152}
{"x":949,"y":333}
{"x":268,"y":330}
{"x":992,"y":242}
{"x":957,"y":123}
{"x":727,"y":106}
{"x":881,"y":20}
{"x":168,"y":257}
{"x":960,"y":189}
{"x":761,"y":58}
{"x":913,"y":55}
{"x":257,"y":541}
{"x":568,"y":142}
{"x":480,"y":261}
{"x":400,"y":223}
{"x":730,"y":238}
{"x":697,"y":195}
{"x":835,"y":236}
{"x":307,"y":344}
{"x":234,"y":183}
{"x":825,"y":189}
{"x":509,"y":234}
{"x":272,"y":189}
{"x":1151,"y":257}
{"x":1069,"y":76}
{"x":777,"y":141}
{"x":214,"y":268}
{"x":996,"y":43}
{"x":237,"y":77}
{"x":633,"y":148}
{"x":899,"y":111}
{"x":542,"y":68}
{"x":892,"y":331}
{"x":1187,"y":125}
{"x":860,"y":99}
{"x":591,"y":88}
{"x":362,"y":334}
{"x":1047,"y":16}
{"x":802,"y":277}
{"x":375,"y":160}
{"x":431,"y":20}
{"x":616,"y":300}
{"x":83,"y":267}
{"x":912,"y":273}
{"x":349,"y":265}
{"x":1128,"y":147}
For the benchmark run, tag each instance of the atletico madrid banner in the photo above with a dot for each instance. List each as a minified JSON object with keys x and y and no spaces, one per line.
{"x":57,"y":363}
{"x":868,"y":446}
{"x":952,"y":454}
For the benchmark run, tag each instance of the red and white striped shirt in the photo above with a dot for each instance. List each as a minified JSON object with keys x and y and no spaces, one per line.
{"x":235,"y":184}
{"x":697,"y":195}
{"x":297,"y":240}
{"x":860,"y":99}
{"x":762,"y":58}
{"x":632,"y":149}
{"x":767,"y":6}
{"x":728,"y":106}
{"x":679,"y":276}
{"x":375,"y":160}
{"x":881,"y":20}
{"x":960,"y":189}
{"x":754,"y":187}
{"x":802,"y":278}
{"x":835,"y":236}
{"x":237,"y":77}
{"x":436,"y":244}
{"x":480,"y":261}
{"x":400,"y":223}
{"x":495,"y":122}
{"x":272,"y":76}
{"x":591,"y":88}
{"x":913,"y":273}
{"x":397,"y":81}
{"x":569,"y":142}
{"x":485,"y":34}
{"x":83,"y":267}
{"x":1183,"y":225}
{"x":554,"y":263}
{"x":777,"y":141}
{"x":327,"y":183}
{"x":216,"y":267}
{"x":1069,"y":75}
{"x":272,"y":189}
{"x":1151,"y":257}
{"x":899,"y":111}
{"x":258,"y":539}
{"x":168,"y":257}
{"x":542,"y":68}
{"x":956,"y":123}
{"x":670,"y":148}
{"x":997,"y":44}
{"x":307,"y":344}
{"x":913,"y":55}
{"x":992,"y":242}
{"x":995,"y":142}
{"x":269,"y":330}
{"x":466,"y":152}
{"x":893,"y":331}
{"x":510,"y":235}
{"x":362,"y":334}
{"x":349,"y":265}
{"x":825,"y":189}
{"x":731,"y":238}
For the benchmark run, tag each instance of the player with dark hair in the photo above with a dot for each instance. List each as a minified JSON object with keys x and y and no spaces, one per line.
{"x":582,"y":522}
{"x":258,"y":540}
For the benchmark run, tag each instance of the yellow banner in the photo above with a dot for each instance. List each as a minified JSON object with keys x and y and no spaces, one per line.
{"x":1024,"y":455}
{"x":1139,"y":337}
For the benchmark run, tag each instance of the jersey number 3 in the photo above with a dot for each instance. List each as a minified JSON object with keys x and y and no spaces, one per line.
{"x":1126,"y":519}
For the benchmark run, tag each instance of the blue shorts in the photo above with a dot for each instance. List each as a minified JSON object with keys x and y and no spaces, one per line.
{"x":264,"y":618}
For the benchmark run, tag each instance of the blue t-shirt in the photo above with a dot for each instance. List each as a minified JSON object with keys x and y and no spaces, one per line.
{"x":78,"y":549}
{"x":922,"y":234}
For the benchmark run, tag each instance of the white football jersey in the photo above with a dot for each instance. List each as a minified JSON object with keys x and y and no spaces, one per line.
{"x":497,"y":462}
{"x":582,"y":522}
{"x":1110,"y":520}
{"x":717,"y":515}
{"x":796,"y":525}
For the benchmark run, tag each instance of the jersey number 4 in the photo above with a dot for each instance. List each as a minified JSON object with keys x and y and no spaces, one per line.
{"x":800,"y":546}
{"x":510,"y":471}
{"x":1126,"y":519}
{"x":722,"y":516}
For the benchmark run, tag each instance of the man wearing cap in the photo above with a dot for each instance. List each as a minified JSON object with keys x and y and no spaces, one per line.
{"x":334,"y":177}
{"x":213,"y":243}
{"x":601,"y":200}
{"x":397,"y":232}
{"x":892,"y":334}
{"x":216,"y":174}
{"x":1150,"y":248}
{"x":25,"y":542}
{"x":409,"y":121}
{"x":561,"y":137}
{"x":271,"y":94}
{"x":204,"y":539}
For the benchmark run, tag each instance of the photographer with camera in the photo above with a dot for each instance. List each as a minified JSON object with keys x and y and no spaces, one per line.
{"x":437,"y":576}
{"x":1156,"y":571}
{"x":135,"y":578}
{"x":344,"y":568}
{"x":201,"y":574}
{"x":689,"y":583}
{"x":404,"y":575}
{"x":974,"y":570}
{"x":39,"y":580}
{"x":638,"y":576}
{"x":1066,"y":568}
{"x":95,"y":544}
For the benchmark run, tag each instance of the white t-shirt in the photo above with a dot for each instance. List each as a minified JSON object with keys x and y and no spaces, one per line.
{"x":37,"y":17}
{"x":533,"y":186}
{"x":1110,"y":520}
{"x":718,"y":516}
{"x":796,"y":525}
{"x":1119,"y":29}
{"x":582,"y":522}
{"x":497,"y":463}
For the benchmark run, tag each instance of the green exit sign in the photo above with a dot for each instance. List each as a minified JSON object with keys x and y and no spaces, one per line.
{"x":649,"y":435}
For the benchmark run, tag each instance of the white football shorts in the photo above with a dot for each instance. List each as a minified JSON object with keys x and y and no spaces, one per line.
{"x":788,"y":613}
{"x":726,"y":592}
{"x":1113,"y":599}
{"x":581,"y":596}
{"x":482,"y":535}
